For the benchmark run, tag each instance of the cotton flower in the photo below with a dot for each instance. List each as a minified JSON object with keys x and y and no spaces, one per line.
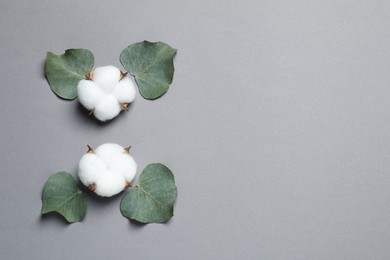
{"x":107,"y":170}
{"x":106,"y":92}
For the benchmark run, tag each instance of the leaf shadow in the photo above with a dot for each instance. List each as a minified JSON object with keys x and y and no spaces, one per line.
{"x":136,"y":224}
{"x":43,"y":66}
{"x":53,"y":217}
{"x":139,"y":225}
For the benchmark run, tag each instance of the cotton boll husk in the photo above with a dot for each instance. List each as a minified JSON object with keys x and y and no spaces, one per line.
{"x":124,"y":165}
{"x":107,"y":77}
{"x":89,"y":94}
{"x":125,"y":90}
{"x":107,"y":109}
{"x":110,"y":184}
{"x":109,"y":151}
{"x":91,"y":168}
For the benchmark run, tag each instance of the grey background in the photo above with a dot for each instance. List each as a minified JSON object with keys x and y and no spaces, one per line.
{"x":277,"y":128}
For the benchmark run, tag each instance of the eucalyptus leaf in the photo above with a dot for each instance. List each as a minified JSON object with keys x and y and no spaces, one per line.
{"x":151,"y":64}
{"x":61,"y":194}
{"x":64,"y":72}
{"x":152,"y":199}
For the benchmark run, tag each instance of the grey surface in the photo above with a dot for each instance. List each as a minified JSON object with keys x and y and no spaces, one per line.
{"x":277,"y":128}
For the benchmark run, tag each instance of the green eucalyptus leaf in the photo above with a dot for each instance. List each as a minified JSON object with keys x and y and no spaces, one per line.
{"x":151,"y":64}
{"x":64,"y":72}
{"x":61,"y":194}
{"x":152,"y":199}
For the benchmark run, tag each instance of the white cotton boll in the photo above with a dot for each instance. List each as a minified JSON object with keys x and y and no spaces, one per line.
{"x":107,"y":77}
{"x":110,"y":184}
{"x":105,"y":93}
{"x":107,"y":170}
{"x":91,"y":168}
{"x":89,"y":94}
{"x":125,"y":165}
{"x":125,"y":90}
{"x":109,"y":151}
{"x":107,"y":109}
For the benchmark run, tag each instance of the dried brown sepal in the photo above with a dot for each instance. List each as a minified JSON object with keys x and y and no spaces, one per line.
{"x":125,"y":106}
{"x":91,"y":112}
{"x":128,"y":185}
{"x":123,"y":75}
{"x":89,"y":76}
{"x":92,"y":187}
{"x":90,"y":149}
{"x":127,"y":149}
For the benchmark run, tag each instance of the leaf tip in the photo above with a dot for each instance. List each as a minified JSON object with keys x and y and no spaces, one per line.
{"x":48,"y":53}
